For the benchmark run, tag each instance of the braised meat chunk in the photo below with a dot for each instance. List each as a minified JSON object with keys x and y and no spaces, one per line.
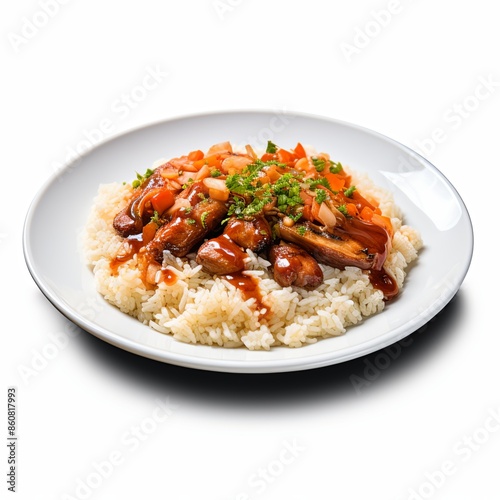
{"x":221,"y":255}
{"x":253,"y":233}
{"x":294,"y":266}
{"x":187,"y":229}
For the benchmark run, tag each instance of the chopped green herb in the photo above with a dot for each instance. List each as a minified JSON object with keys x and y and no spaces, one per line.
{"x":204,"y":216}
{"x":191,"y":222}
{"x":342,"y":209}
{"x":188,"y":210}
{"x":335,"y":167}
{"x":296,"y":217}
{"x":301,"y":230}
{"x":271,"y":147}
{"x":319,"y":163}
{"x":156,"y":218}
{"x":321,"y":195}
{"x":188,"y":183}
{"x":348,"y":192}
{"x":215,"y":173}
{"x":321,"y":181}
{"x":141,"y":178}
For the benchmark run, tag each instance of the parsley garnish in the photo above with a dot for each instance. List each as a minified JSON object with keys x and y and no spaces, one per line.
{"x":335,"y":167}
{"x":342,"y":209}
{"x":191,"y":222}
{"x":156,"y":218}
{"x":321,"y":181}
{"x":321,"y":195}
{"x":348,"y":192}
{"x":215,"y":173}
{"x":319,"y":163}
{"x":301,"y":230}
{"x":204,"y":216}
{"x":271,"y":147}
{"x":141,"y":178}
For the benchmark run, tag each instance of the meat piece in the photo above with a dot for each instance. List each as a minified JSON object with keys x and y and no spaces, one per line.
{"x":254,"y":233}
{"x":186,"y":229}
{"x":294,"y":266}
{"x":363,"y":245}
{"x":221,"y":255}
{"x":131,"y":219}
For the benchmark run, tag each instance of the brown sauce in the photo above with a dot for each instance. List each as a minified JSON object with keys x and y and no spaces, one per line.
{"x":129,"y":248}
{"x":248,"y":286}
{"x":228,"y":253}
{"x":383,"y":282}
{"x":376,"y":240}
{"x":168,"y":277}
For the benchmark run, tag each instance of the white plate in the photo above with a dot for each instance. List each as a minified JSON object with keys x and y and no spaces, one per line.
{"x":428,"y":200}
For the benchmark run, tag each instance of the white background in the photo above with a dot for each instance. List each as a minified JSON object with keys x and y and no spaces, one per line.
{"x":227,"y":436}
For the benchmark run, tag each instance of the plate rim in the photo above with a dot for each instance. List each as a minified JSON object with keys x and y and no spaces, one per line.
{"x":245,"y":366}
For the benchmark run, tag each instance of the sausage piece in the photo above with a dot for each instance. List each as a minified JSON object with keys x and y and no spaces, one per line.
{"x":186,"y":229}
{"x":294,"y":266}
{"x":254,"y":233}
{"x":221,"y":255}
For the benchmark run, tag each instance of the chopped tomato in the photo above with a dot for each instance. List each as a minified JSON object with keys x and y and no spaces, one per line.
{"x":148,"y":232}
{"x":366,"y":214}
{"x":163,"y":200}
{"x":300,"y":151}
{"x":268,"y":157}
{"x":196,"y":155}
{"x":336,"y":183}
{"x":285,"y":156}
{"x":211,"y":161}
{"x":351,"y":209}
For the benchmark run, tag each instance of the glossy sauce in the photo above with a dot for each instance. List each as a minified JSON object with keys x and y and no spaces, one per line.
{"x":383,"y":282}
{"x":249,"y":288}
{"x":168,"y":277}
{"x":377,"y":242}
{"x":222,"y":255}
{"x":129,"y":248}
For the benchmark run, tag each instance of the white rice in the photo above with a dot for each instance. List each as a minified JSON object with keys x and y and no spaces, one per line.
{"x":206,"y":309}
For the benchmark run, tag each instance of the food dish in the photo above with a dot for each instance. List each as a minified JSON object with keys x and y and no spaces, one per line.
{"x":234,"y":248}
{"x":427,"y":199}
